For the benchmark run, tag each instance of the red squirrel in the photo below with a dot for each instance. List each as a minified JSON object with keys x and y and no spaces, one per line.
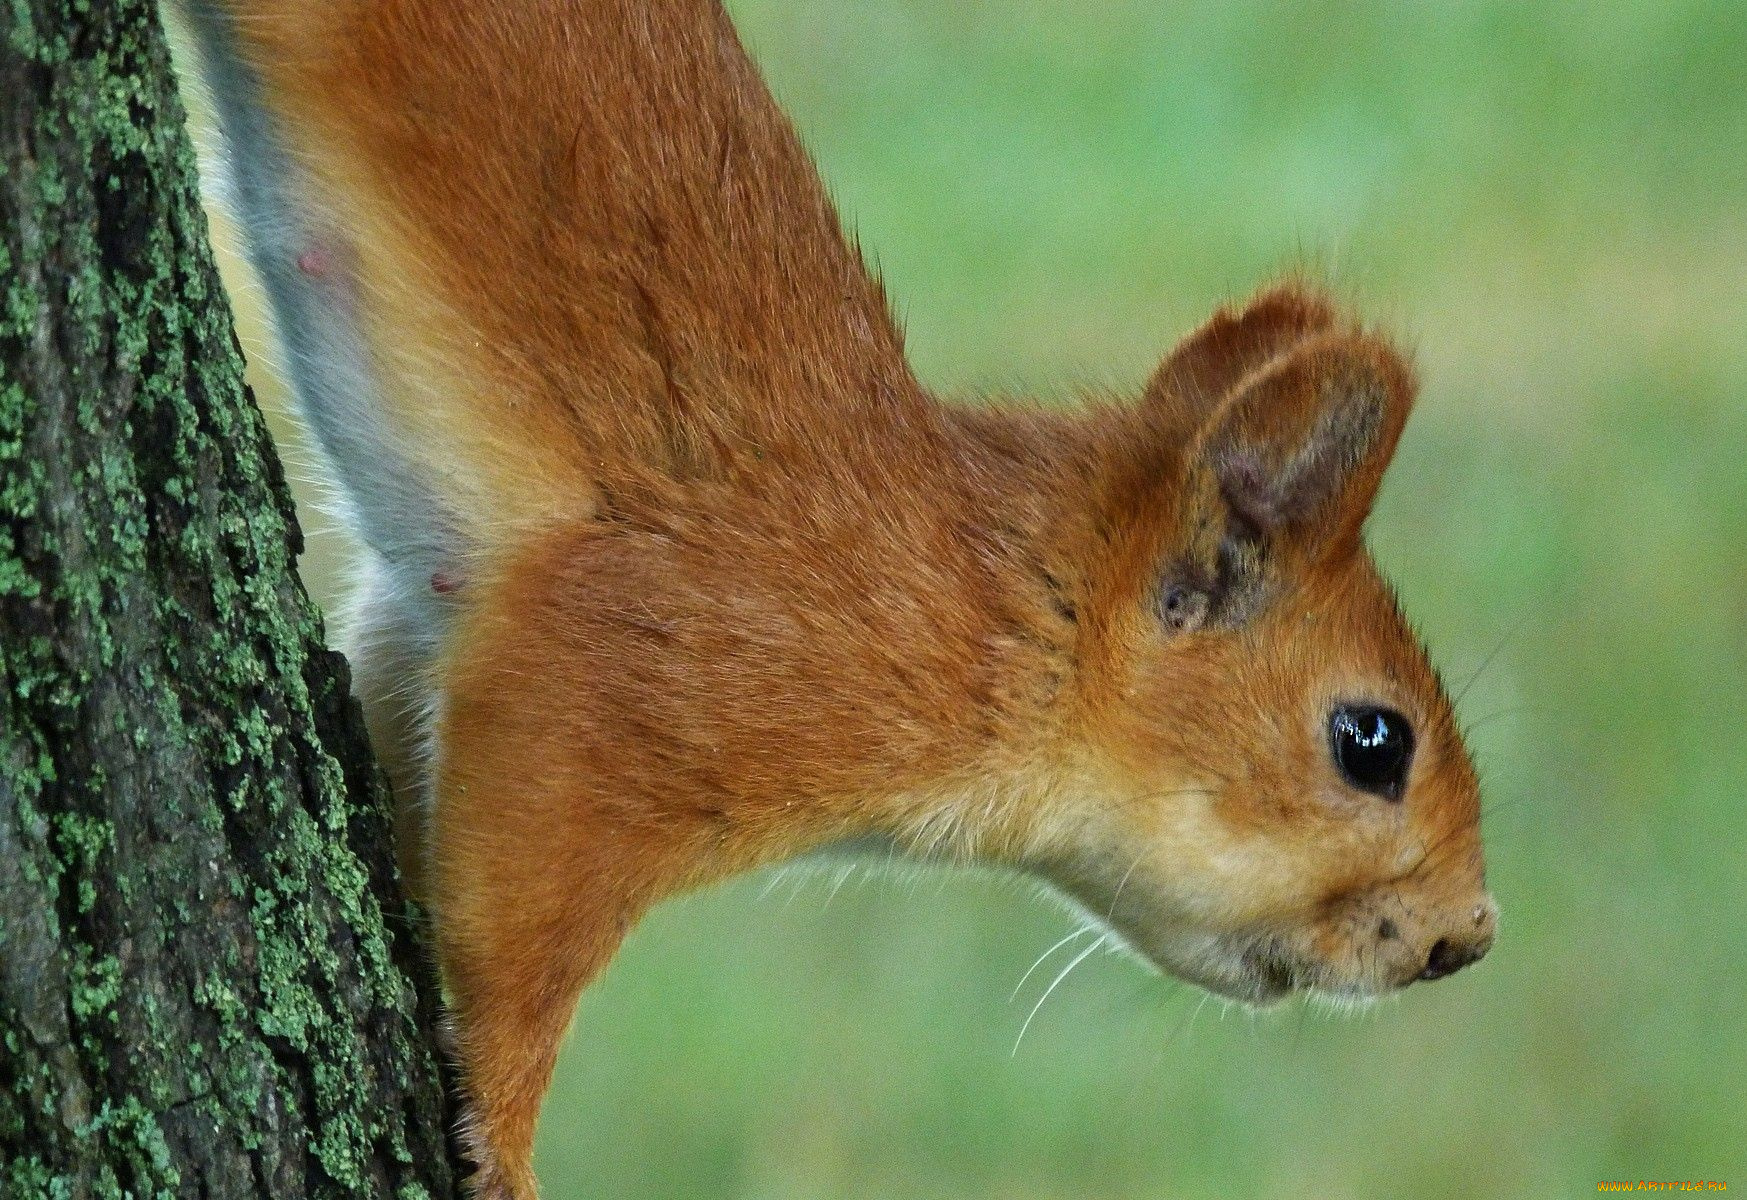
{"x":676,"y":570}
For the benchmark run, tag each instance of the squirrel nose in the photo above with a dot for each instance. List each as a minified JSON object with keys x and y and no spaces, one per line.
{"x":1449,"y":956}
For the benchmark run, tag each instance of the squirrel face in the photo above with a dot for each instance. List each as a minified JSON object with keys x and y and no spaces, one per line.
{"x":1312,"y":824}
{"x":1283,"y":797}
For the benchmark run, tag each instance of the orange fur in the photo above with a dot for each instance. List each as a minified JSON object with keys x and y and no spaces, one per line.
{"x":733,"y":585}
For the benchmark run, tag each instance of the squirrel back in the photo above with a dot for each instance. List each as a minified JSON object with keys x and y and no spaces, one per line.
{"x":676,"y":569}
{"x":571,"y":248}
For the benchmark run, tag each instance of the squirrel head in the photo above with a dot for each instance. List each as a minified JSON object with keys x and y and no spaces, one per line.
{"x":1280,"y":798}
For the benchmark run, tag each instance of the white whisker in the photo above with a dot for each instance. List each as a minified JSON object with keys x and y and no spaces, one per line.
{"x":837,"y":885}
{"x":1055,"y":983}
{"x":1084,"y":929}
{"x":1126,"y":875}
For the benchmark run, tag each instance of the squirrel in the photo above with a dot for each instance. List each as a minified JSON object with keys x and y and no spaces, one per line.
{"x":675,"y":569}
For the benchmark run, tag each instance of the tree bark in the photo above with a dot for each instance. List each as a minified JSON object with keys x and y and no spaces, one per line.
{"x":209,"y":984}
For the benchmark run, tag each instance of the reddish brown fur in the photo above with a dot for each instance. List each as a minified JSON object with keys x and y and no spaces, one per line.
{"x":738,"y":585}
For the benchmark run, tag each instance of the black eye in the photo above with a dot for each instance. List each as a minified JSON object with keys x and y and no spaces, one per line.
{"x":1372,"y":747}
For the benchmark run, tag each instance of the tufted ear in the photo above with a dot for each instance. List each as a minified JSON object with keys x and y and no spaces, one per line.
{"x":1231,"y":344}
{"x":1284,"y":471}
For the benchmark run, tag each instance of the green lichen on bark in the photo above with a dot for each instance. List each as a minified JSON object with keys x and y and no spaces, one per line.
{"x":208,"y":984}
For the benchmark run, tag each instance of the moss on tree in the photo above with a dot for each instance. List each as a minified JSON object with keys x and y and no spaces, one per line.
{"x":208,"y":982}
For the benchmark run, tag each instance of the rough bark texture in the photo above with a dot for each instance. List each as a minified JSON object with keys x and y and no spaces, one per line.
{"x":208,"y":984}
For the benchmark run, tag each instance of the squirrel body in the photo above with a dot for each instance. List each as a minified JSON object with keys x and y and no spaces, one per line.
{"x":675,"y":569}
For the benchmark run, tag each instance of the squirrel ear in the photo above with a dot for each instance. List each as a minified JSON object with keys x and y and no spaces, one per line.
{"x":1230,"y":345}
{"x":1288,"y":466}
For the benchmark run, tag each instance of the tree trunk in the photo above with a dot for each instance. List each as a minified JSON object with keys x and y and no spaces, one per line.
{"x":209,"y":985}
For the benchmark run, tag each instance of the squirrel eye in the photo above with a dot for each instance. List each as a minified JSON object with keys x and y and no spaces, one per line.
{"x":1373,"y":748}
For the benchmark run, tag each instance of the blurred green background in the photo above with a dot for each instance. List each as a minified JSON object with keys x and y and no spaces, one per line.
{"x":1550,"y":202}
